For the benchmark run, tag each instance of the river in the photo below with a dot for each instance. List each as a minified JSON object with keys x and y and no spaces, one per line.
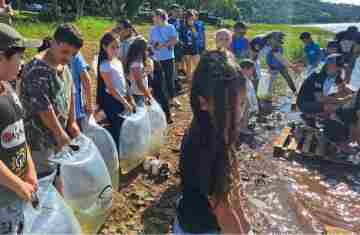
{"x":335,"y":28}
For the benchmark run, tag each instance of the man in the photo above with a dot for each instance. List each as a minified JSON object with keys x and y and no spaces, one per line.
{"x":312,"y":52}
{"x":163,"y":38}
{"x":346,"y":40}
{"x":48,"y":96}
{"x":316,"y":93}
{"x":18,"y":180}
{"x":218,"y":98}
{"x":82,"y":80}
{"x":240,"y":44}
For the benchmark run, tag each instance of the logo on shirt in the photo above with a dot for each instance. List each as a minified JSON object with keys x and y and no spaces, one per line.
{"x":13,"y":135}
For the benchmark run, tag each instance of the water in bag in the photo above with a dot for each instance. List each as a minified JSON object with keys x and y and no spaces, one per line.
{"x":106,"y":145}
{"x":158,"y":127}
{"x":52,"y":216}
{"x":87,"y":183}
{"x":134,"y":140}
{"x":264,"y":91}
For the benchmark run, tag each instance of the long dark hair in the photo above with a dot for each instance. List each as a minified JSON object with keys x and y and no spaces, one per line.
{"x":137,"y":51}
{"x":105,"y":41}
{"x":126,"y":24}
{"x":217,"y":78}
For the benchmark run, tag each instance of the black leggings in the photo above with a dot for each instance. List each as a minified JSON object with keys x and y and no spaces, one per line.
{"x":113,"y":108}
{"x":169,"y":69}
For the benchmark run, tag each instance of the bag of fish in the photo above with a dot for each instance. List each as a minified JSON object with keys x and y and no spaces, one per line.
{"x":251,"y":95}
{"x":134,"y":140}
{"x":106,"y":145}
{"x":87,"y":183}
{"x":265,"y":88}
{"x":49,"y":214}
{"x":158,"y":126}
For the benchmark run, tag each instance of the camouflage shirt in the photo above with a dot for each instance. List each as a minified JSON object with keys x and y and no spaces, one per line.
{"x":42,"y":89}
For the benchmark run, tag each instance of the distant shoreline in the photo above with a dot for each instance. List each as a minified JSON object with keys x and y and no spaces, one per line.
{"x":333,"y":27}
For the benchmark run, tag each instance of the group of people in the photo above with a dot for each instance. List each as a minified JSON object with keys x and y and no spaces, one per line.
{"x":53,"y":96}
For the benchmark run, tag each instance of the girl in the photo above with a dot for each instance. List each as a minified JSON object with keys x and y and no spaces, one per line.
{"x":189,"y":37}
{"x":127,"y":34}
{"x":223,"y":39}
{"x":137,"y":61}
{"x":112,"y":86}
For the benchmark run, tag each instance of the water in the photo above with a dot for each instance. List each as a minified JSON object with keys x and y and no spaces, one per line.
{"x":335,"y":28}
{"x":296,"y":196}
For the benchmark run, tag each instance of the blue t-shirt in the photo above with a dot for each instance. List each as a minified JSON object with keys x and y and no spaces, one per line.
{"x":313,"y":53}
{"x":78,"y":65}
{"x":273,"y":62}
{"x":240,"y":47}
{"x":162,"y":35}
{"x":201,"y":39}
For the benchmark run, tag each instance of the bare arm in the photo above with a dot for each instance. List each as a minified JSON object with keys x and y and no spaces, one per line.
{"x":72,"y":126}
{"x":109,"y":85}
{"x":86,"y":82}
{"x":138,"y":77}
{"x":52,"y":123}
{"x":171,"y":43}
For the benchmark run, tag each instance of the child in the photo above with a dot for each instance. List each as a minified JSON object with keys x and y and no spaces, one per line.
{"x":127,"y":33}
{"x":136,"y":64}
{"x":18,"y":180}
{"x":112,"y":87}
{"x":223,"y":39}
{"x":240,"y":44}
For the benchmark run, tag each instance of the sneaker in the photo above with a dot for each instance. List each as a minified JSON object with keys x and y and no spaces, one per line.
{"x":176,"y":103}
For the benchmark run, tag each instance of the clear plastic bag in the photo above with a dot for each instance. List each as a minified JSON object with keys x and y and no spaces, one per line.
{"x":87,"y":183}
{"x":251,"y":95}
{"x":158,"y":126}
{"x":265,"y":87}
{"x":52,"y":216}
{"x":134,"y":140}
{"x":106,"y":145}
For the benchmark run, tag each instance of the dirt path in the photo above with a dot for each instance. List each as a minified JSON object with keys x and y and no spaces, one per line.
{"x":143,"y":206}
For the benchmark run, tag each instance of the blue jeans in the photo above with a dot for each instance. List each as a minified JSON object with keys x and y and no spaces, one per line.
{"x":139,"y":100}
{"x":12,"y":218}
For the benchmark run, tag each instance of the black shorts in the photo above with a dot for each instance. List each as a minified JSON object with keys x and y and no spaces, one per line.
{"x":191,"y":50}
{"x":179,"y":52}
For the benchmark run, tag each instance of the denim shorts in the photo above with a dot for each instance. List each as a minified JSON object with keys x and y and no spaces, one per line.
{"x":12,"y":218}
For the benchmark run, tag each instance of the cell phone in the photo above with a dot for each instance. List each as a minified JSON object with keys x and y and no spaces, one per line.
{"x":35,"y":202}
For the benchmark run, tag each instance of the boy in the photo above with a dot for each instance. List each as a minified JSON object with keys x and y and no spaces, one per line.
{"x":18,"y":181}
{"x":240,"y":44}
{"x":312,"y":52}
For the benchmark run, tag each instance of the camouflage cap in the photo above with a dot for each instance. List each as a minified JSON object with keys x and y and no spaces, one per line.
{"x":10,"y":38}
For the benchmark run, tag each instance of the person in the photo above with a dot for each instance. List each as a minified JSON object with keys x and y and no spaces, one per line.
{"x":223,"y":39}
{"x":354,"y":73}
{"x":175,"y":16}
{"x":47,"y":94}
{"x":82,"y":81}
{"x":312,"y":52}
{"x":189,"y":37}
{"x":218,"y":96}
{"x":201,"y":29}
{"x":127,"y":34}
{"x":316,"y":93}
{"x":346,"y":40}
{"x":18,"y":180}
{"x":6,"y":12}
{"x":240,"y":44}
{"x":276,"y":61}
{"x":112,"y":90}
{"x":138,"y":66}
{"x":163,"y":38}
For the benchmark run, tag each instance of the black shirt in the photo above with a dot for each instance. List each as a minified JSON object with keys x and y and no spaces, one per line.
{"x":311,"y":86}
{"x":196,"y":166}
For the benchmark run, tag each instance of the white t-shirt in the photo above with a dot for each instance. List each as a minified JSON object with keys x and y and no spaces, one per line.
{"x":134,"y":90}
{"x":355,"y":76}
{"x":116,"y":70}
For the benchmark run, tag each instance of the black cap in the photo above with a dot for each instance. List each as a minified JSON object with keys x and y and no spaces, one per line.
{"x":305,"y":35}
{"x":10,"y":38}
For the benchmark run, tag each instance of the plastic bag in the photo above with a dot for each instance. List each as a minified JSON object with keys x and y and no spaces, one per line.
{"x":134,"y":140}
{"x":158,"y":127}
{"x":265,"y":87}
{"x":251,"y":95}
{"x":106,"y":145}
{"x":87,"y":183}
{"x":52,"y":216}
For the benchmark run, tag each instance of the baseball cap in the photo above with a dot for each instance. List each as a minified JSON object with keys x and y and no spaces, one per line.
{"x":335,"y":58}
{"x":10,"y":38}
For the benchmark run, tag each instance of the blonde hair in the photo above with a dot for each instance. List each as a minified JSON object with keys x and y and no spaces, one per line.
{"x":224,"y":32}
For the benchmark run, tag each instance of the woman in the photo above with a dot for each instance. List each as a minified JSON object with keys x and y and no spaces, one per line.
{"x":127,"y":34}
{"x":112,"y":87}
{"x":163,"y":38}
{"x":189,"y":38}
{"x":218,"y":100}
{"x":138,"y":65}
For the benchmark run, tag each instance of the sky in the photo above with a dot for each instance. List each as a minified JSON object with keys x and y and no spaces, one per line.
{"x":356,"y":2}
